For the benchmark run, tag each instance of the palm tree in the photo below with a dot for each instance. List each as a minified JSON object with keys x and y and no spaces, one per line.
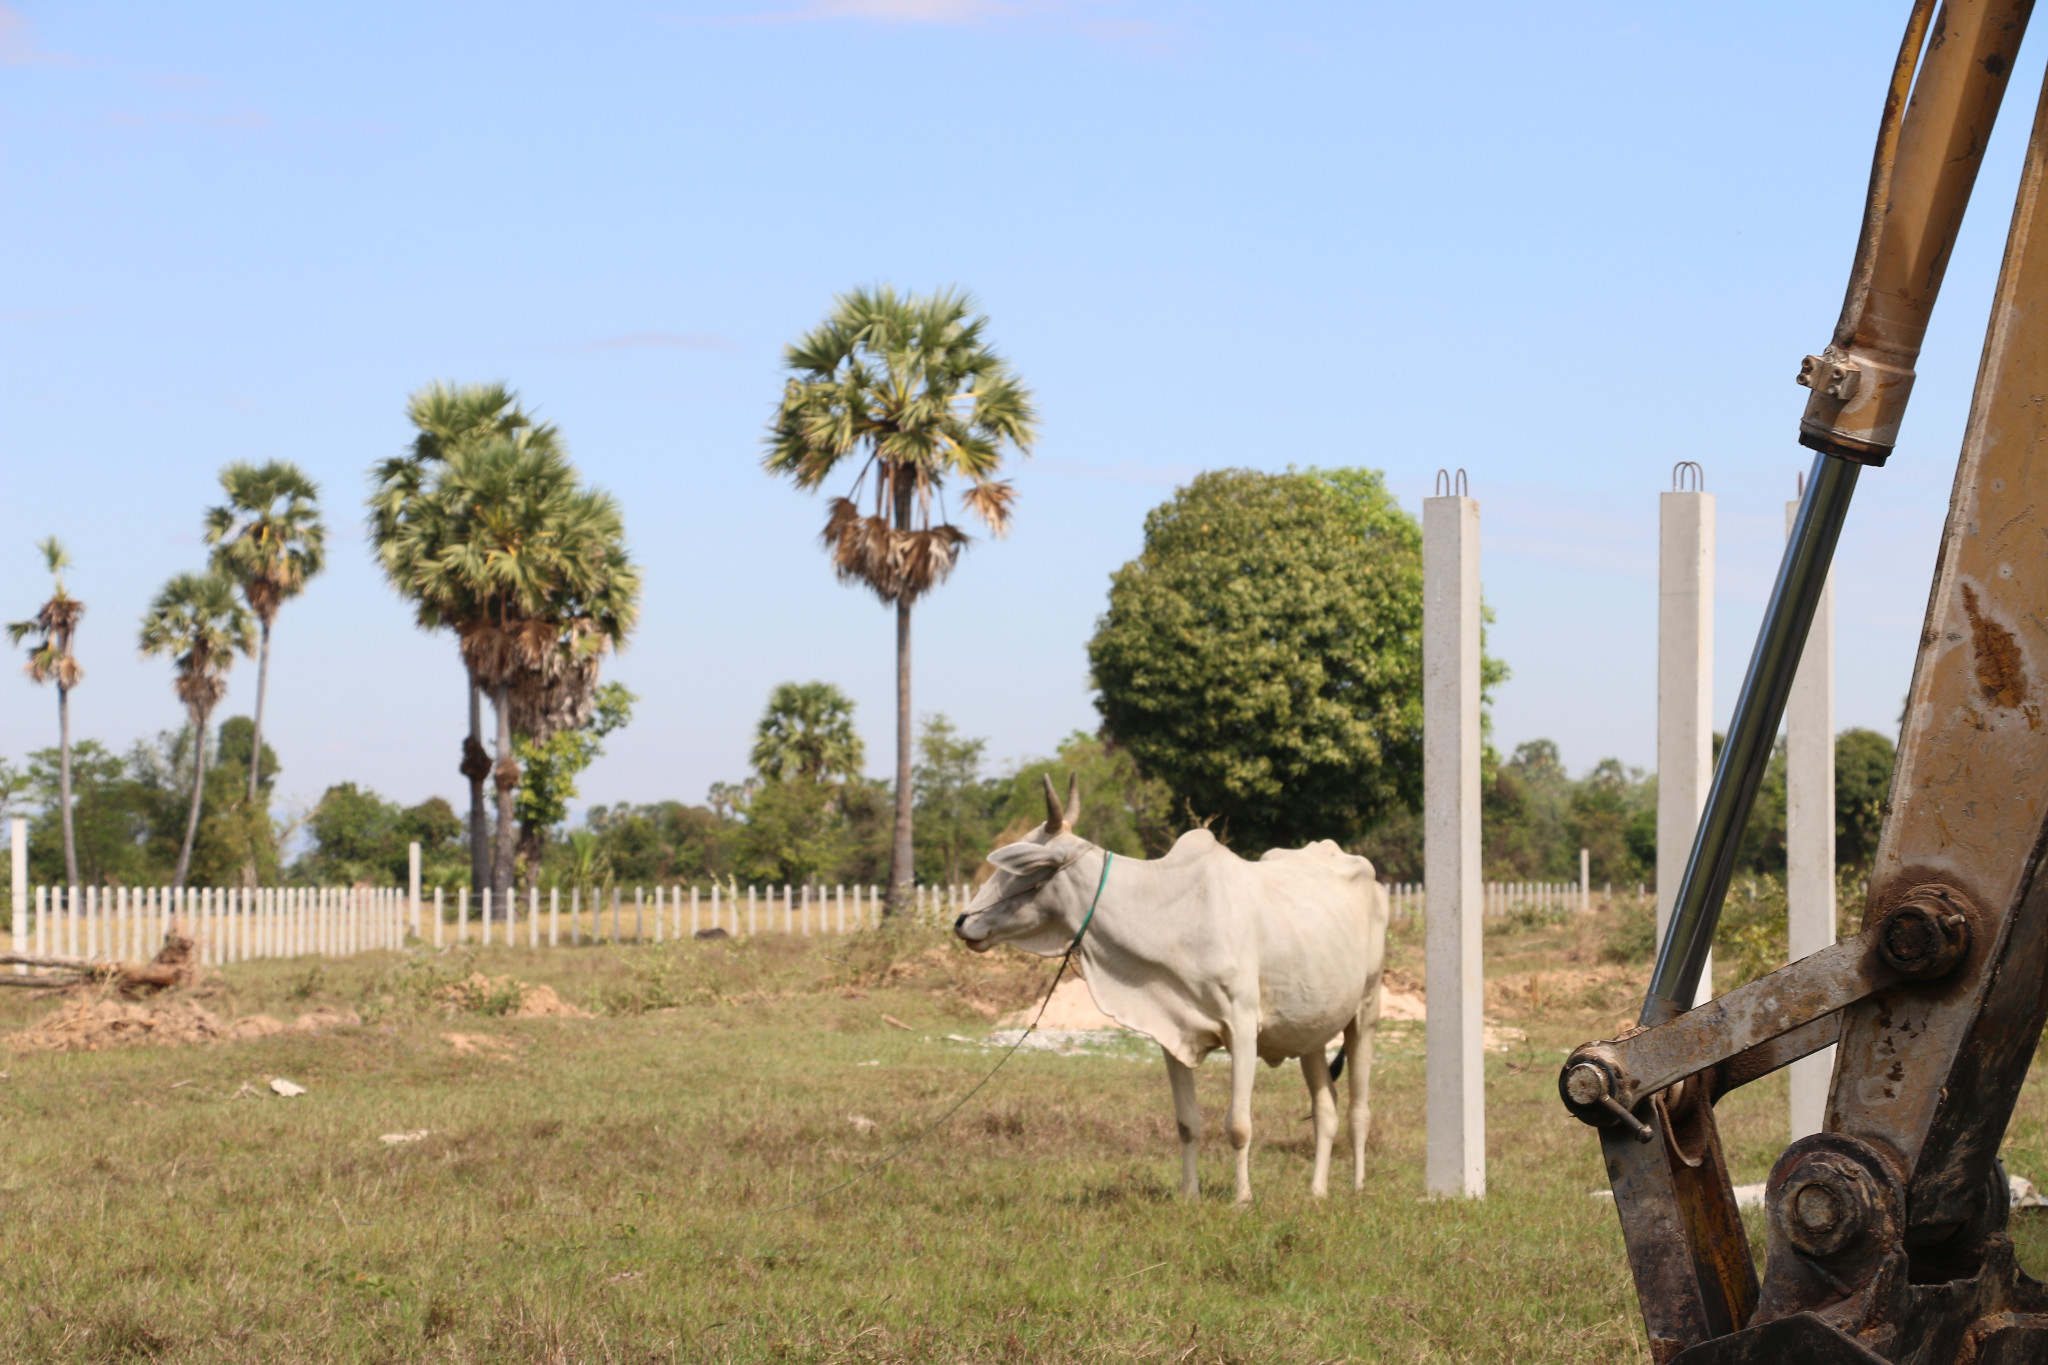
{"x":446,"y":418}
{"x":197,"y":620}
{"x":907,"y":386}
{"x":807,"y":735}
{"x":267,"y":539}
{"x":50,"y":660}
{"x":531,"y":572}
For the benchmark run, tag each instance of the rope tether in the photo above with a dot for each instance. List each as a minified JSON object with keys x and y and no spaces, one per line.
{"x":1066,"y":957}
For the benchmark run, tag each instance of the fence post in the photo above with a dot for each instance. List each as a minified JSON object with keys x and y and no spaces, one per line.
{"x":752,"y":924}
{"x":462,"y":917}
{"x":555,"y":916}
{"x":1685,"y":690}
{"x":660,"y":908}
{"x":639,"y":919}
{"x":17,"y":887}
{"x":1455,"y":1083}
{"x":1810,"y":834}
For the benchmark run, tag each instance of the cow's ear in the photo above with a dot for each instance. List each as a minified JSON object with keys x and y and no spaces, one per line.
{"x":1025,"y":859}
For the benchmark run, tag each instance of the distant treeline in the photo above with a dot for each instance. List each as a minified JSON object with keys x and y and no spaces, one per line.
{"x":795,"y":820}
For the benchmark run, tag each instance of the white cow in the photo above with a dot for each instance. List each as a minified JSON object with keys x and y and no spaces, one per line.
{"x":1200,"y":950}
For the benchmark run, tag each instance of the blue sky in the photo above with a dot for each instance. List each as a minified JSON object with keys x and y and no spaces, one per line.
{"x":1560,"y":251}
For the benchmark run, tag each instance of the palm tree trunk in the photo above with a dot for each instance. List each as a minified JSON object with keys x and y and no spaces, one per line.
{"x":64,"y":782}
{"x":262,"y":686}
{"x":508,"y":783}
{"x":901,"y":852}
{"x":198,"y":792}
{"x":476,"y":765}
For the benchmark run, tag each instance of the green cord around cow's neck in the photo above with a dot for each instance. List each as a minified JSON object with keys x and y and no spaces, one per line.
{"x":1089,"y":918}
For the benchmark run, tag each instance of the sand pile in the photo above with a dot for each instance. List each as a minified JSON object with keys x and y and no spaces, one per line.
{"x":1071,"y":1010}
{"x":480,"y":994}
{"x":89,"y":1024}
{"x":1401,"y":998}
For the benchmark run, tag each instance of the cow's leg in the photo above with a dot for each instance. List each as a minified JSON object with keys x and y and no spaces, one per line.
{"x":1322,"y":1095}
{"x":1244,"y":1064}
{"x":1358,"y":1039}
{"x":1187,"y":1117}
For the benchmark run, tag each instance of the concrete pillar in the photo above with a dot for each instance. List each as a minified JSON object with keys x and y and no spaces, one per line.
{"x":1685,"y":690}
{"x":1455,"y":1080}
{"x":1585,"y":880}
{"x":1810,"y":832}
{"x":412,"y":889}
{"x":17,"y":886}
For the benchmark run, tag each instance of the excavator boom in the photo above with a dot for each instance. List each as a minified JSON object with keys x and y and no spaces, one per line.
{"x":1885,"y":1232}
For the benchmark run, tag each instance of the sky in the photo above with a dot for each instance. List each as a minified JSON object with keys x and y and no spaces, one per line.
{"x":1559,"y":252}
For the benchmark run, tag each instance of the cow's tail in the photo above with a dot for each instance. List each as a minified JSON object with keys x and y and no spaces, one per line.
{"x":1337,"y":1064}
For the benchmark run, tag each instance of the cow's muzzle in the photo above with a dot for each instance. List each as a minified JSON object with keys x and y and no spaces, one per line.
{"x":979,"y":945}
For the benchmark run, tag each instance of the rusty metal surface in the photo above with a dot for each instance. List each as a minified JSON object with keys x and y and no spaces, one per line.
{"x":1931,"y":1069}
{"x":1804,"y":1339}
{"x":1886,"y":1233}
{"x":1925,"y":165}
{"x":1687,"y":1248}
{"x":1745,"y":1017}
{"x":1781,"y":1051}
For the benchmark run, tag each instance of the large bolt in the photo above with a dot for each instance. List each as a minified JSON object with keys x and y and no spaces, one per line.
{"x":1823,"y":1206}
{"x":1924,"y":938}
{"x":1589,"y":1093}
{"x":1585,"y":1085}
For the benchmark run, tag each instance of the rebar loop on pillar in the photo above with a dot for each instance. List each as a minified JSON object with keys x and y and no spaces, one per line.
{"x":1688,"y":471}
{"x":1752,"y":731}
{"x":1450,"y":485}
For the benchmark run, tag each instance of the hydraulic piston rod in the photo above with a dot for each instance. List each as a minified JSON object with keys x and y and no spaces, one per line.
{"x":1946,"y":86}
{"x":1752,"y":732}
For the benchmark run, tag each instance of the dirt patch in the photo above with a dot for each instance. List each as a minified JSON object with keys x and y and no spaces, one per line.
{"x":503,"y":995}
{"x":93,"y":1023}
{"x":480,"y":1045}
{"x":1569,"y":989}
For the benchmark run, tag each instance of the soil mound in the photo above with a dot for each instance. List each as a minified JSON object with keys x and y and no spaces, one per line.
{"x":503,"y":995}
{"x":92,"y":1023}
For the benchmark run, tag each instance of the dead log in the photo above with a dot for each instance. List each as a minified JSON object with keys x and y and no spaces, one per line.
{"x":176,"y":964}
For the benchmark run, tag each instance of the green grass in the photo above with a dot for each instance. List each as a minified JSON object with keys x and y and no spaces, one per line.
{"x":608,"y":1192}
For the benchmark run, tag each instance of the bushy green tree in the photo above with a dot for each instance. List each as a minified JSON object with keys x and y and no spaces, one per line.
{"x":1122,"y":810}
{"x":1863,"y":784}
{"x":109,"y":818}
{"x":1263,"y":655}
{"x":956,"y":808}
{"x":663,"y":841}
{"x":548,"y":770}
{"x":359,"y":837}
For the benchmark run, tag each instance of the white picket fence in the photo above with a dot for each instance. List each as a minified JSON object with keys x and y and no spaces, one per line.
{"x":234,"y":924}
{"x":1501,"y":898}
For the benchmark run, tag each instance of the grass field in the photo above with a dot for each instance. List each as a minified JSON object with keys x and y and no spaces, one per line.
{"x":605,"y":1189}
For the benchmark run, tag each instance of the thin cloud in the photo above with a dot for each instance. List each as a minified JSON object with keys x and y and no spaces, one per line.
{"x":18,"y":46}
